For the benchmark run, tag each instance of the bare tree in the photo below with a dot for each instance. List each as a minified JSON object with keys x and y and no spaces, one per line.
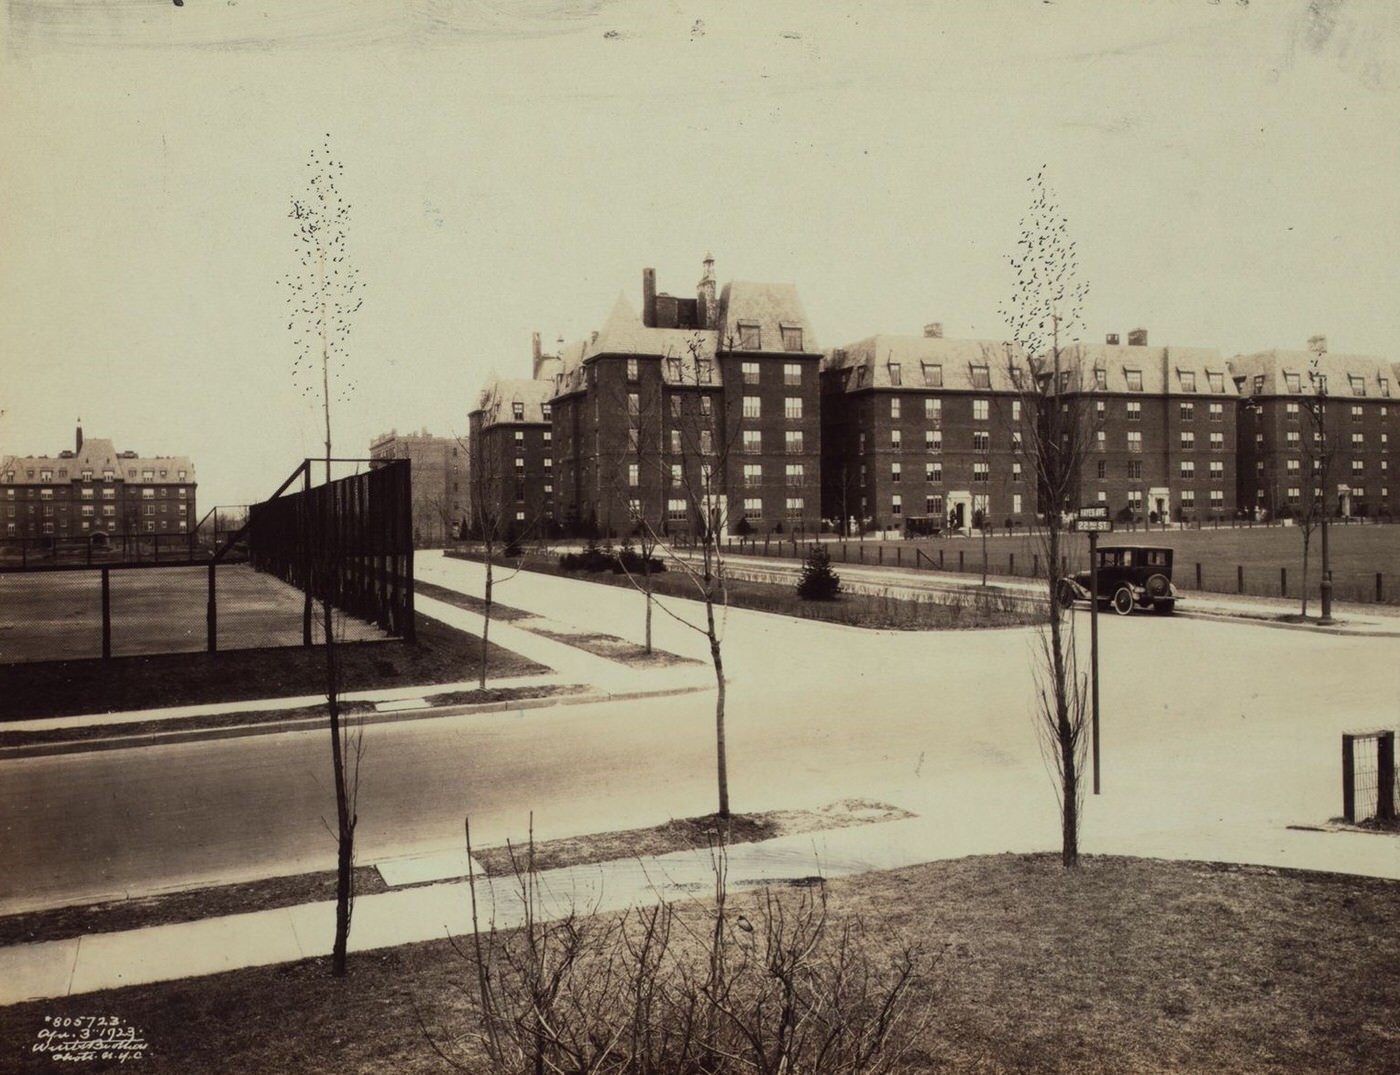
{"x":1044,"y":314}
{"x":1317,"y":473}
{"x":644,"y":468}
{"x":322,"y":300}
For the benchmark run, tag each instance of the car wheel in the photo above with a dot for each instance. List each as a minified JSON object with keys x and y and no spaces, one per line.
{"x":1123,"y":601}
{"x":1065,"y":595}
{"x":1158,"y":587}
{"x":1164,"y":608}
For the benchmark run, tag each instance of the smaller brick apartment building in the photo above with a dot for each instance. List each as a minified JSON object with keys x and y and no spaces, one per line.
{"x":510,"y":484}
{"x":439,"y":471}
{"x":1280,"y":445}
{"x":95,"y":491}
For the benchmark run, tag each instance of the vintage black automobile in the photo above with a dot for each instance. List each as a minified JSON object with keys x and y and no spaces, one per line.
{"x":1130,"y":576}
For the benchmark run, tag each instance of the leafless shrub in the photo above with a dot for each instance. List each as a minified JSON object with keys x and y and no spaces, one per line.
{"x":766,"y":982}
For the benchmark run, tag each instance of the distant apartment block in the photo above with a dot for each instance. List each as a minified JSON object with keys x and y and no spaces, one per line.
{"x":510,"y":488}
{"x":95,"y":491}
{"x":439,"y":474}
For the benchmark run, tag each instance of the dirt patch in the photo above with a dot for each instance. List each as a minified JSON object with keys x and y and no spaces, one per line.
{"x":682,"y":834}
{"x":501,"y":612}
{"x":612,"y":648}
{"x":441,"y":654}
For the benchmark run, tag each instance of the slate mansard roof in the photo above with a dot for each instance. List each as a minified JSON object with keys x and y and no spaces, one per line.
{"x":97,"y":454}
{"x":1348,"y":376}
{"x":497,"y":400}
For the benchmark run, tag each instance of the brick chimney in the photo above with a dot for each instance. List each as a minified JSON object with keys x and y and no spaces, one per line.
{"x":933,"y":330}
{"x":649,"y":298}
{"x":1137,"y":337}
{"x":1111,"y":339}
{"x":536,"y":353}
{"x":705,"y":293}
{"x":80,"y":439}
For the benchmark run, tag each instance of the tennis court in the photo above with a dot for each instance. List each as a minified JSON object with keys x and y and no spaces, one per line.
{"x":57,"y":615}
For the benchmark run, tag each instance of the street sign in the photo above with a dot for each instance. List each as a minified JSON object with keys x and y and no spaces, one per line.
{"x":1094,"y":511}
{"x":1092,"y":526}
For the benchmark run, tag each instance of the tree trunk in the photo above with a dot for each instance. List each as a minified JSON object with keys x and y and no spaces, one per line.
{"x":486,"y":622}
{"x":1307,"y":535}
{"x":646,"y":588}
{"x":722,"y":764}
{"x":345,"y":820}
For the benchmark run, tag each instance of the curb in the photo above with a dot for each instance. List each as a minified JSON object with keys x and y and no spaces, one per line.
{"x":193,"y":735}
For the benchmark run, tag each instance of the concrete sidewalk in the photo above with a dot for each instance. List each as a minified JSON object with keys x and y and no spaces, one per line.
{"x":433,"y":911}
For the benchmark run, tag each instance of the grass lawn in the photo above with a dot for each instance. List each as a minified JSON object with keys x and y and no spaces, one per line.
{"x":441,"y":654}
{"x":1125,"y":965}
{"x":1357,"y":554}
{"x":959,"y":610}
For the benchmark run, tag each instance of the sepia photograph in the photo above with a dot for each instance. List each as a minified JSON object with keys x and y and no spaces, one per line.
{"x":650,"y":537}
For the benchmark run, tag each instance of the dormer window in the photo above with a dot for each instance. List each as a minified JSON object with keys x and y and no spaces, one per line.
{"x":1294,"y":381}
{"x":792,"y":337}
{"x":1217,"y":381}
{"x":1133,"y":379}
{"x":1187,"y":379}
{"x":981,"y":377}
{"x":750,"y":338}
{"x":1100,"y":377}
{"x":517,"y":411}
{"x":1358,"y":385}
{"x":673,"y":369}
{"x":860,"y":376}
{"x":933,"y":375}
{"x":1385,"y":385}
{"x":896,"y":378}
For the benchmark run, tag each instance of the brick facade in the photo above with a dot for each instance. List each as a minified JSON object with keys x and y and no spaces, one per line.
{"x":439,"y":470}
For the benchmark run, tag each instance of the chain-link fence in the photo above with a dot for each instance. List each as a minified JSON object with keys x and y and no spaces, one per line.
{"x":1368,"y":777}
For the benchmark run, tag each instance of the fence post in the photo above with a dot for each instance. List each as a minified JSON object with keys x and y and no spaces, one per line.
{"x":106,"y":613}
{"x":212,"y":614}
{"x":898,"y":556}
{"x":1385,"y":776}
{"x":960,"y":559}
{"x":1239,"y":578}
{"x":1035,"y":564}
{"x":845,"y":553}
{"x":880,"y":554}
{"x":1198,"y":576}
{"x":1380,"y":591}
{"x":1011,"y":563}
{"x":940,"y":559}
{"x":1283,"y":582}
{"x":1348,"y":779}
{"x":862,"y":552}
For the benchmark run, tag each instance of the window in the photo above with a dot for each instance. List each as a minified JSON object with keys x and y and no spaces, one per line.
{"x":1100,"y":377}
{"x":675,"y":509}
{"x":896,"y":377}
{"x":750,"y":338}
{"x":148,"y":509}
{"x":981,"y":377}
{"x":1217,"y":442}
{"x":1015,"y":503}
{"x":88,"y":511}
{"x":1188,"y":440}
{"x":753,"y":441}
{"x":792,"y":371}
{"x":753,"y":474}
{"x":1015,"y":471}
{"x":753,"y":407}
{"x":86,"y":494}
{"x":109,"y":494}
{"x":1134,"y":411}
{"x":1100,"y":440}
{"x":1188,"y":468}
{"x":896,"y":505}
{"x":894,"y":407}
{"x":46,"y":475}
{"x":517,"y":411}
{"x":1100,"y":409}
{"x":634,"y":373}
{"x":108,"y":510}
{"x":704,"y":371}
{"x":1259,"y":441}
{"x":1357,"y":412}
{"x":980,"y":410}
{"x":1358,"y":385}
{"x":981,"y":440}
{"x":1293,"y":437}
{"x":933,"y":505}
{"x":47,"y":494}
{"x":896,"y":439}
{"x":792,"y":441}
{"x":673,"y":369}
{"x":1135,"y":468}
{"x":795,"y":507}
{"x":933,"y":375}
{"x":1217,"y":469}
{"x":753,"y":507}
{"x":519,"y":436}
{"x":1291,"y":410}
{"x":146,"y":494}
{"x":545,"y":412}
{"x":981,"y":472}
{"x":792,"y":407}
{"x":109,"y":476}
{"x":933,"y":410}
{"x":1187,"y":380}
{"x":1385,"y":386}
{"x":1134,"y":441}
{"x":1217,"y":498}
{"x":634,"y":475}
{"x":1188,"y":412}
{"x":860,"y":376}
{"x":707,"y":406}
{"x":1134,"y":379}
{"x":1188,"y":498}
{"x":548,"y":462}
{"x":933,"y":472}
{"x":1358,"y":440}
{"x":1294,"y":466}
{"x":896,"y":471}
{"x":1135,"y":499}
{"x":749,"y":371}
{"x":677,"y":475}
{"x":933,"y":440}
{"x":1293,"y":381}
{"x":675,"y":406}
{"x":707,"y":442}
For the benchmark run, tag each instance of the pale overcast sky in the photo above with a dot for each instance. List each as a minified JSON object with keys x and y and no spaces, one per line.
{"x":1231,"y":173}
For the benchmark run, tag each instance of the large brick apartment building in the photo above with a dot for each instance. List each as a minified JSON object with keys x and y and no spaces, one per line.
{"x":95,"y":490}
{"x":696,"y":411}
{"x":720,"y":408}
{"x":510,"y":485}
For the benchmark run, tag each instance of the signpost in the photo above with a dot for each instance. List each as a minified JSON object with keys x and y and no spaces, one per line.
{"x":1093,"y":519}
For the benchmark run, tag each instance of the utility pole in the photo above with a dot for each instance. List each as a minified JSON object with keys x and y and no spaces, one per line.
{"x":1318,"y":406}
